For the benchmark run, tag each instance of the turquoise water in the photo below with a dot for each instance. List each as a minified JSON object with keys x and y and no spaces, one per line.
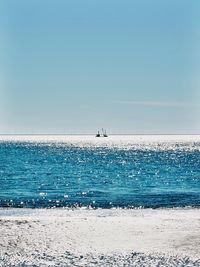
{"x":58,"y":174}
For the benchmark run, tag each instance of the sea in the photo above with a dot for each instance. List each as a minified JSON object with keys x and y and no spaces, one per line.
{"x":118,"y":171}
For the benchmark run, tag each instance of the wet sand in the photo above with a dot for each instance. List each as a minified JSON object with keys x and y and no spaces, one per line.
{"x":115,"y":237}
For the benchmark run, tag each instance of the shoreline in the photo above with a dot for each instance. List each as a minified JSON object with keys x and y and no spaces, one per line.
{"x":78,"y":237}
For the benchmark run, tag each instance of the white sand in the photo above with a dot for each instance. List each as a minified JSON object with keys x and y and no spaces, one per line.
{"x":61,"y":237}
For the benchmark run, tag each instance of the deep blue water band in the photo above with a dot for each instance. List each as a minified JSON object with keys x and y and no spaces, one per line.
{"x":58,"y":175}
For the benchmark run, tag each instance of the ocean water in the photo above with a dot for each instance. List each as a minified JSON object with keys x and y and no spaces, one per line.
{"x":118,"y":171}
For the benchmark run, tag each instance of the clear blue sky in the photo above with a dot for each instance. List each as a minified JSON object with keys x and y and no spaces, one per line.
{"x":74,"y":66}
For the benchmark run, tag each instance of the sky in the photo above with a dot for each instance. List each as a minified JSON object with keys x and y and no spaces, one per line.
{"x":74,"y":66}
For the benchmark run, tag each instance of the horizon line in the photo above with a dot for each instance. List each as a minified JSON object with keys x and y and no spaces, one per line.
{"x":93,"y":134}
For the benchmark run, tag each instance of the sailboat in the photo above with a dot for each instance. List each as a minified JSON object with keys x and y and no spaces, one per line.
{"x":104,"y":133}
{"x":98,"y":134}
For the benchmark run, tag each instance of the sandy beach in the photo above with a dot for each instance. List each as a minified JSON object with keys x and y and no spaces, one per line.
{"x":103,"y":237}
